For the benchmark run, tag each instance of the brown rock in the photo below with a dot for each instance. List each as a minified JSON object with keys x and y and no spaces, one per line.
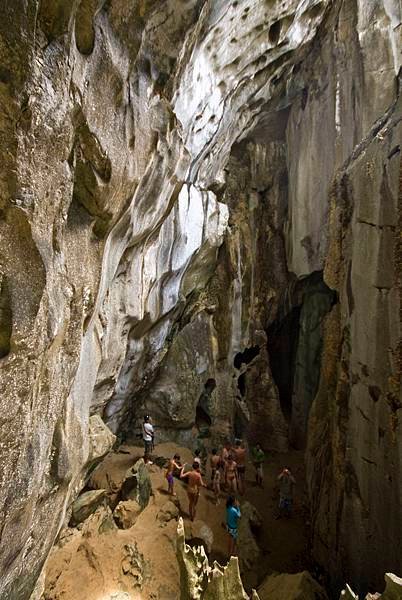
{"x":126,"y":513}
{"x":285,"y":586}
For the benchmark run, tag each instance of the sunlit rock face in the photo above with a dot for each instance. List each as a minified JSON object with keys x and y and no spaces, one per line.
{"x":173,"y":172}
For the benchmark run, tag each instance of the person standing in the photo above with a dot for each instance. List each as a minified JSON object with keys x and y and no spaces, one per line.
{"x":258,"y":457}
{"x":224,"y":458}
{"x":148,"y":438}
{"x":174,"y":463}
{"x":216,"y":485}
{"x":240,"y":457}
{"x":231,"y":476}
{"x":197,"y":457}
{"x":233,"y":515}
{"x":195,"y":482}
{"x":214,"y":463}
{"x":286,"y":485}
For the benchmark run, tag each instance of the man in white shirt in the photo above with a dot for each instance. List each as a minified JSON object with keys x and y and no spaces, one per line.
{"x":148,"y":437}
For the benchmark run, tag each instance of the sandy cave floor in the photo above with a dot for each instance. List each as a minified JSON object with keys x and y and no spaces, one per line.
{"x":89,"y":566}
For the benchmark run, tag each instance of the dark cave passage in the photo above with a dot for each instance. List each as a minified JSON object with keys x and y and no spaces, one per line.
{"x":203,"y":419}
{"x":294,"y":344}
{"x":245,"y":357}
{"x":283,"y":337}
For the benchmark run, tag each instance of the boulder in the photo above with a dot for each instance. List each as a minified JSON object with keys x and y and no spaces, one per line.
{"x":100,"y":522}
{"x":101,"y":439}
{"x":137,"y":484}
{"x":126,"y":513}
{"x":250,"y":554}
{"x":198,"y":531}
{"x":297,"y":586}
{"x":86,"y":504}
{"x":168,"y":512}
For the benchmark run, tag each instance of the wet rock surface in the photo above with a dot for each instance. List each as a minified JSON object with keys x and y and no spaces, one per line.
{"x":171,"y":173}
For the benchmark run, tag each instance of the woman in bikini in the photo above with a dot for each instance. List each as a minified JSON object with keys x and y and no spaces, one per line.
{"x":174,"y":463}
{"x":193,"y":490}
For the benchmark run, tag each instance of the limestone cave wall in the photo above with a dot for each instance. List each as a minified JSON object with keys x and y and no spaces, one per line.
{"x":192,"y":194}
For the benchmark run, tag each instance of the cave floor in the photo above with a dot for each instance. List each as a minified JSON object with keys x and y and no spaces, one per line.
{"x":284,"y":542}
{"x":94,"y":566}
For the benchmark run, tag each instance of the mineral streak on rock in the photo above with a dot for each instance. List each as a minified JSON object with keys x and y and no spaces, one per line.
{"x":172,"y":172}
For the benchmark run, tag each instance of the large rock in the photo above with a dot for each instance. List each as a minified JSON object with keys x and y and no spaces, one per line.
{"x":199,"y":533}
{"x":126,"y":513}
{"x":285,"y":586}
{"x":250,"y":554}
{"x":86,"y":504}
{"x":101,"y":439}
{"x":137,"y":484}
{"x":168,"y":512}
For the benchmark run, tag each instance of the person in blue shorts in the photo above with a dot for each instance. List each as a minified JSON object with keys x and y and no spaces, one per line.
{"x":233,"y":515}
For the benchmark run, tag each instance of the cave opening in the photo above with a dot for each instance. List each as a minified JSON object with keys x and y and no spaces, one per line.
{"x":283,"y":337}
{"x":245,"y":357}
{"x":203,"y":419}
{"x":241,"y":384}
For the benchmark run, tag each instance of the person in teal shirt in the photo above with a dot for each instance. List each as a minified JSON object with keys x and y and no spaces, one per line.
{"x":233,"y":515}
{"x":258,"y":458}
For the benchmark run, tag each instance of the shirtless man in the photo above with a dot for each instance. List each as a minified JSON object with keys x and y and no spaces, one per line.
{"x":231,"y":475}
{"x":193,"y":490}
{"x":239,"y":453}
{"x":174,"y":463}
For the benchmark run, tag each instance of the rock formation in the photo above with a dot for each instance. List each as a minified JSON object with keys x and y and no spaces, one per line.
{"x":199,"y":216}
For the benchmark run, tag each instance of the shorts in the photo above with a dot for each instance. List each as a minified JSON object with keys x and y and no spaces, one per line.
{"x":233,"y":532}
{"x":259,"y":470}
{"x":170,"y":479}
{"x":148,"y":447}
{"x":241,"y":470}
{"x":285,"y":503}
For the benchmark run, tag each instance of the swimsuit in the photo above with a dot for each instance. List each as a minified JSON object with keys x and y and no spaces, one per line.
{"x":241,"y":469}
{"x":193,"y":490}
{"x":169,"y":477}
{"x":233,"y":532}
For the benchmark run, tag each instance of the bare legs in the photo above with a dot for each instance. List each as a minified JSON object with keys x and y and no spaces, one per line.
{"x":192,"y":504}
{"x":232,"y":546}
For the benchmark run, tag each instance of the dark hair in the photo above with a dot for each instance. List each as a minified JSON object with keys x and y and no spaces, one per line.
{"x":197,"y":452}
{"x":238,"y":442}
{"x":230,"y":501}
{"x":196,"y":466}
{"x":230,"y":457}
{"x":177,"y":456}
{"x":146,"y":417}
{"x":214,"y":451}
